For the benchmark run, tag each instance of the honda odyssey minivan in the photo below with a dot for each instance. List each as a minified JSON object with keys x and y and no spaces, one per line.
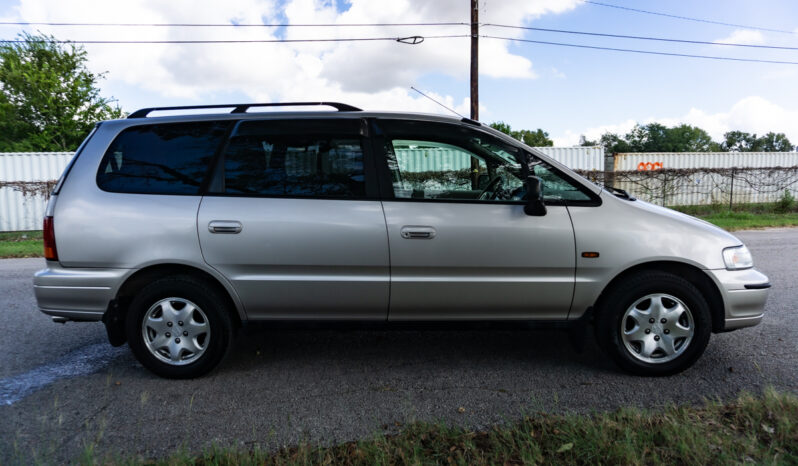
{"x":176,"y":230}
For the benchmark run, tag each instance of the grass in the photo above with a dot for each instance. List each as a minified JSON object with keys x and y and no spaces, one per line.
{"x":761,"y":430}
{"x":745,"y":216}
{"x":21,"y":244}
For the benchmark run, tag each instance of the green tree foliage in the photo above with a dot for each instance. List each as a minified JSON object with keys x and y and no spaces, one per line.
{"x":739,"y":141}
{"x":49,"y":100}
{"x":774,"y":142}
{"x":537,"y":138}
{"x":655,"y":137}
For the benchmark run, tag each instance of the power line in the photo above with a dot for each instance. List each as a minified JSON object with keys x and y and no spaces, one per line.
{"x":412,"y":40}
{"x":247,"y":25}
{"x":407,"y":40}
{"x":649,"y":52}
{"x":661,"y":39}
{"x":687,"y":18}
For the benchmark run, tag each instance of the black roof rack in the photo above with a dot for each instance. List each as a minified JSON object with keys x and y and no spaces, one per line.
{"x":242,"y":108}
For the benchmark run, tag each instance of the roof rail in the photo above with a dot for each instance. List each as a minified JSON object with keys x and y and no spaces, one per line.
{"x":242,"y":108}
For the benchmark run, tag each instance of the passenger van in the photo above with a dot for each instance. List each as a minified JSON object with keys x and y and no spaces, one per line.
{"x":177,"y":230}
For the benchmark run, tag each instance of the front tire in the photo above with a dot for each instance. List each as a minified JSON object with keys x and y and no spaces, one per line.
{"x":179,"y":327}
{"x":654,"y":324}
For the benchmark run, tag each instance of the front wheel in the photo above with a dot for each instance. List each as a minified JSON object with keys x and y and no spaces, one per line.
{"x":178,"y":327}
{"x":655,"y":323}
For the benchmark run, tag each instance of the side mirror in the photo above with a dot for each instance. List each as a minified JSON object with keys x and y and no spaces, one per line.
{"x":534,"y":197}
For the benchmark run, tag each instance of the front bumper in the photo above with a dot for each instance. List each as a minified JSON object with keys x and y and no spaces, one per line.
{"x":76,"y":293}
{"x":744,"y":295}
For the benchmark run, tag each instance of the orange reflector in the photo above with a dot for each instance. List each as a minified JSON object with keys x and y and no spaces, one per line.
{"x":590,"y":254}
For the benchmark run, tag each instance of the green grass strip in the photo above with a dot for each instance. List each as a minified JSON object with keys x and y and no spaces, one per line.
{"x":21,"y":244}
{"x":759,"y":430}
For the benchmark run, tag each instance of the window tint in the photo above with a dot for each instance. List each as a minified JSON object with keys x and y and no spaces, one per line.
{"x":430,"y":169}
{"x":296,"y":159}
{"x":442,"y":161}
{"x":160,"y":159}
{"x":555,"y":188}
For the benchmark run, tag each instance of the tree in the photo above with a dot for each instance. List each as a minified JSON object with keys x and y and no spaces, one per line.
{"x":49,"y":100}
{"x":686,"y":138}
{"x":774,"y":142}
{"x":614,"y":144}
{"x":537,"y":138}
{"x":655,"y":137}
{"x":738,"y":141}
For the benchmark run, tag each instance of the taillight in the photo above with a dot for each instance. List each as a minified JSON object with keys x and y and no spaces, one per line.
{"x":48,"y":232}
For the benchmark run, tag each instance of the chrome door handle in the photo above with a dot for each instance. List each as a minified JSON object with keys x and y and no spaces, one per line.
{"x":224,"y":226}
{"x":417,"y":232}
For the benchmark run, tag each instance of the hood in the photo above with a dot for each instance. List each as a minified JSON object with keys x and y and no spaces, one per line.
{"x":681,"y":220}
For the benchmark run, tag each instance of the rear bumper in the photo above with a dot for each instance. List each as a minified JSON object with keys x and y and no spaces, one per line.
{"x":76,"y":293}
{"x":745,"y":293}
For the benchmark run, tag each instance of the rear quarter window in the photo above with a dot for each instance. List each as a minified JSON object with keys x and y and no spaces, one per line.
{"x":161,"y":158}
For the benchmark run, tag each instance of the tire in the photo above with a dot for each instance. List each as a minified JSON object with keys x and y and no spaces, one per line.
{"x":669,"y":344}
{"x":188,"y":330}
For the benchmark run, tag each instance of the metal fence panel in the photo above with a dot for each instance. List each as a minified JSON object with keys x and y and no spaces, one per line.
{"x":577,"y":158}
{"x":696,"y":178}
{"x":20,"y":208}
{"x":647,"y":161}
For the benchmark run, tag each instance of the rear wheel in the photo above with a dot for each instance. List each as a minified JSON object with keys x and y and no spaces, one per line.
{"x":179,"y":327}
{"x":655,"y":323}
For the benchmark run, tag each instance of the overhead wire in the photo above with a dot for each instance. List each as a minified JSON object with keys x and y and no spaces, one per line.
{"x":241,"y":25}
{"x":411,"y":40}
{"x":649,"y":52}
{"x":688,"y":18}
{"x":649,"y":38}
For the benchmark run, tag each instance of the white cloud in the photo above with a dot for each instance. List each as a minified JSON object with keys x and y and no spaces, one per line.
{"x":752,"y":114}
{"x":743,"y":36}
{"x":374,"y":75}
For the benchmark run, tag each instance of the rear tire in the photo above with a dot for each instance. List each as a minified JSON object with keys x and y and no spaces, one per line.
{"x":654,"y":324}
{"x":179,"y":327}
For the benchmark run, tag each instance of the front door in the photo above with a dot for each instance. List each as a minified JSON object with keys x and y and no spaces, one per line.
{"x":295,"y":223}
{"x":461,"y":246}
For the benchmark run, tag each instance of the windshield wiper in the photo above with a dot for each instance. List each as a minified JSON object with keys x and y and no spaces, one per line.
{"x":620,"y":193}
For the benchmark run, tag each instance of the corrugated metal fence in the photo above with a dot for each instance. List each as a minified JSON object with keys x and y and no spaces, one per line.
{"x":695,"y":178}
{"x":22,"y":199}
{"x":665,"y":178}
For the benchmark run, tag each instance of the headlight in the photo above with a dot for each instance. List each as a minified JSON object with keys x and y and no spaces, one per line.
{"x":738,"y":257}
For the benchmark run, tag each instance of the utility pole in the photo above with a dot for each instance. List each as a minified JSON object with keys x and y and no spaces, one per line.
{"x":474,"y":83}
{"x":474,"y":60}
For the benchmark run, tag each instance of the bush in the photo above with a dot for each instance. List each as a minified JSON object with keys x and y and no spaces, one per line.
{"x":786,"y":203}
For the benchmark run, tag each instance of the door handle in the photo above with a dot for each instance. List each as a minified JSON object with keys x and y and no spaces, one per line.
{"x":224,"y":226}
{"x":417,"y":232}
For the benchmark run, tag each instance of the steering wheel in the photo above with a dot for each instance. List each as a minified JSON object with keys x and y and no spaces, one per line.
{"x":490,"y":190}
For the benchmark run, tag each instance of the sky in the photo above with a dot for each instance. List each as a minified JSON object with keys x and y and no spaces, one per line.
{"x":566,"y":91}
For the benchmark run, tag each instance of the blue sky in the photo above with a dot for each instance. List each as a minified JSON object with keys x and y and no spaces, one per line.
{"x":565,"y":91}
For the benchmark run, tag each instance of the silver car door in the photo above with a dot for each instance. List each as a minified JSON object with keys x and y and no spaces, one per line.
{"x":461,"y":245}
{"x":295,"y":224}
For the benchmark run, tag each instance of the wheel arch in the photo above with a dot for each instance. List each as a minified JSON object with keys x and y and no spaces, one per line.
{"x":695,"y":275}
{"x":114,"y":317}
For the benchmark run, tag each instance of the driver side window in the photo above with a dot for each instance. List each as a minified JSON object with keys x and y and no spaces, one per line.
{"x":428,"y":169}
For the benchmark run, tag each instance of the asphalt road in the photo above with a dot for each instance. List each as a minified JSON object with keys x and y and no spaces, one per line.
{"x":64,"y":389}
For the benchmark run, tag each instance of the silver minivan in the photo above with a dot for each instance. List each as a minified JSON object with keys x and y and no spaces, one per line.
{"x":176,"y":230}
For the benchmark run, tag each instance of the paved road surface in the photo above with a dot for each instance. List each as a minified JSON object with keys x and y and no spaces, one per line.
{"x":63,"y":388}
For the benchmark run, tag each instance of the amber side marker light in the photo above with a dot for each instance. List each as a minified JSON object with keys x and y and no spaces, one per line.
{"x":590,"y":254}
{"x":48,"y":234}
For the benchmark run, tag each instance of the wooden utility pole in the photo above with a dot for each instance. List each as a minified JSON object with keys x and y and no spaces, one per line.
{"x":474,"y":60}
{"x":474,"y":83}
